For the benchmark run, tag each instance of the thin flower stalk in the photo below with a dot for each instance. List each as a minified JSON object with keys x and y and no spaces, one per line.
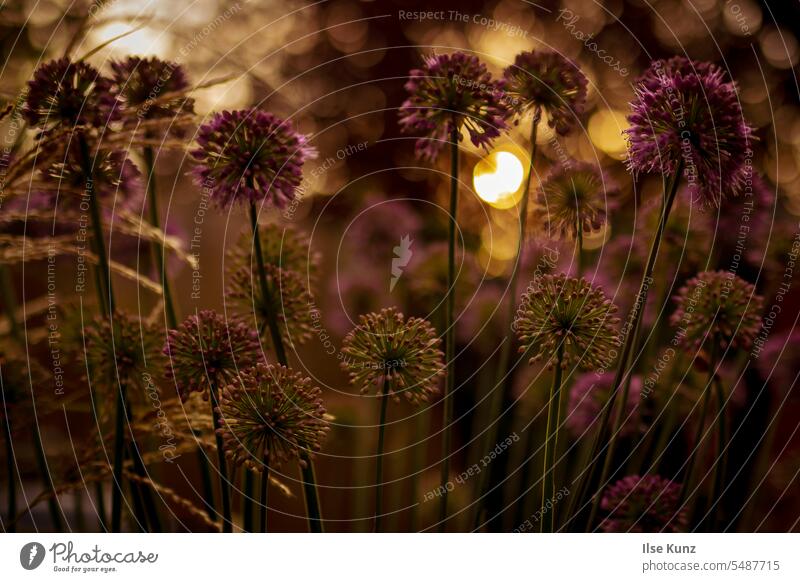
{"x":502,"y":373}
{"x":310,"y":492}
{"x":550,"y":442}
{"x":384,"y":398}
{"x":450,"y":338}
{"x":622,"y":372}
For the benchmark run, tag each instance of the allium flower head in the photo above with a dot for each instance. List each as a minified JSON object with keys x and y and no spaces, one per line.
{"x":685,"y":111}
{"x":151,"y":88}
{"x":270,"y":413}
{"x":646,"y":504}
{"x":124,"y":348}
{"x":452,"y":92}
{"x":386,"y":347}
{"x":288,"y":299}
{"x":571,"y":194}
{"x":590,"y":393}
{"x":113,"y":174}
{"x":556,"y":309}
{"x":719,"y":306}
{"x":205,"y":348}
{"x":548,"y":80}
{"x":66,"y":95}
{"x":249,"y":156}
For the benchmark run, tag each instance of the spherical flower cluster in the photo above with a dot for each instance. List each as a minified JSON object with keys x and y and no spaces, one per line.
{"x":548,"y":80}
{"x":206,"y":349}
{"x":113,"y":174}
{"x":388,"y":351}
{"x":719,"y":306}
{"x":67,"y":95}
{"x":590,"y":393}
{"x":557,"y":310}
{"x":572,"y":194}
{"x":646,"y":504}
{"x":152,"y":89}
{"x":287,"y":299}
{"x":451,"y":92}
{"x":687,"y":115}
{"x":249,"y":156}
{"x":281,"y":246}
{"x":270,"y":414}
{"x":124,"y":349}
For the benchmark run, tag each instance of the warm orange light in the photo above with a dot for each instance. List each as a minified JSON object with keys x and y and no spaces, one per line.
{"x":497,"y":179}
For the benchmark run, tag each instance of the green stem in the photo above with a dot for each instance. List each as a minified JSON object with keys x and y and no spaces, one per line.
{"x":721,"y":466}
{"x":272,"y":321}
{"x":224,"y":485}
{"x":450,"y":348}
{"x":551,"y":436}
{"x":143,"y":494}
{"x":208,"y":485}
{"x":579,"y":249}
{"x":119,"y":458}
{"x":496,"y":400}
{"x":105,"y":291}
{"x":156,"y":246}
{"x":379,"y":458}
{"x":634,"y":320}
{"x":689,"y":472}
{"x":310,"y":492}
{"x":264,"y":495}
{"x":417,"y":455}
{"x":248,"y":499}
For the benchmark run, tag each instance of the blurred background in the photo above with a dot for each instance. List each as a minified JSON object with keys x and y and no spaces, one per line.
{"x":337,"y":69}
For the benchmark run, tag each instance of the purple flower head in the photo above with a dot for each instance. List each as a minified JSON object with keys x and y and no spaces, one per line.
{"x":547,"y":80}
{"x":451,"y":92}
{"x":685,"y":114}
{"x":646,"y":504}
{"x":126,"y":348}
{"x":152,"y":88}
{"x":287,"y":298}
{"x":67,"y":95}
{"x":249,"y":156}
{"x":719,"y":306}
{"x":388,"y":348}
{"x":113,"y":174}
{"x":572,"y":194}
{"x":206,"y":349}
{"x":270,"y":414}
{"x":590,"y":393}
{"x":557,"y":310}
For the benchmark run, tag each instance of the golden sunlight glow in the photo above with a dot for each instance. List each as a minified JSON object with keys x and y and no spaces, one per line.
{"x":605,"y":131}
{"x":146,"y":41}
{"x":497,"y":179}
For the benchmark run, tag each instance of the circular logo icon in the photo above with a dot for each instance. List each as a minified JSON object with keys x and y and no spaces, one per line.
{"x":31,"y":555}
